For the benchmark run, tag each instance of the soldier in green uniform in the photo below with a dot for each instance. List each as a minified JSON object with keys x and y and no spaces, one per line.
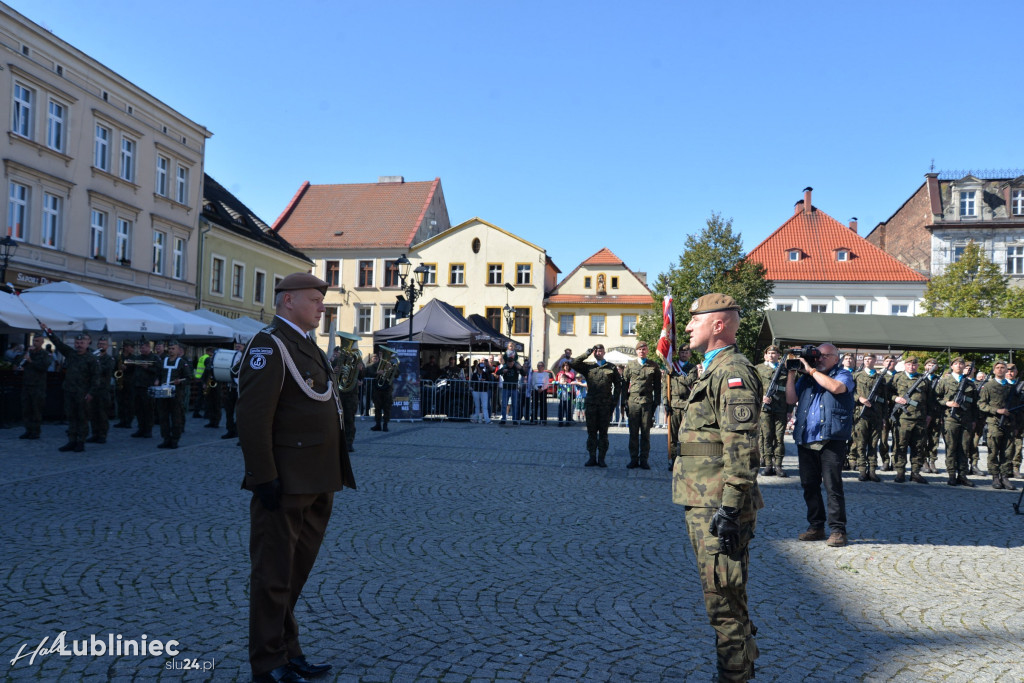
{"x":80,"y":384}
{"x":1013,"y":448}
{"x":604,"y":387}
{"x":642,"y":385}
{"x":888,"y":426}
{"x":715,"y":478}
{"x":935,"y":410}
{"x":348,"y":371}
{"x":125,"y":386}
{"x":914,"y":393}
{"x":774,"y":414}
{"x":869,"y":416}
{"x":177,"y":372}
{"x":992,"y":402}
{"x":99,"y":407}
{"x":681,"y":377}
{"x":959,"y":420}
{"x":147,"y":374}
{"x":34,"y":368}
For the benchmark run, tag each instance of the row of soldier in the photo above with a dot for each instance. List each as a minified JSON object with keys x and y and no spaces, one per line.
{"x":148,"y":383}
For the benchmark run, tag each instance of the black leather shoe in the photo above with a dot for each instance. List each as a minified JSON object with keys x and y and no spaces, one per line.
{"x":96,"y":439}
{"x":282,"y":674}
{"x":229,"y":435}
{"x":68,"y":447}
{"x":375,"y":428}
{"x":164,"y":444}
{"x":303,"y":667}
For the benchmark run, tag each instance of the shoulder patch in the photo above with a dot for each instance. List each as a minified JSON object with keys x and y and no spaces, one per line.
{"x":735,"y":382}
{"x":261,"y":350}
{"x":257,"y":362}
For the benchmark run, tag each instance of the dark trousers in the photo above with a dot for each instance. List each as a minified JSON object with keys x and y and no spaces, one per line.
{"x":539,"y":409}
{"x":98,"y":413}
{"x":230,"y":398}
{"x":598,"y":419}
{"x":283,"y":546}
{"x":349,"y":408}
{"x":824,"y":467}
{"x":33,"y":399}
{"x":382,"y":406}
{"x":640,"y":417}
{"x":213,"y":404}
{"x":126,"y":405}
{"x":144,"y":409}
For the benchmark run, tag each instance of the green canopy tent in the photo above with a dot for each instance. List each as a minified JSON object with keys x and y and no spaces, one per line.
{"x":787,"y":328}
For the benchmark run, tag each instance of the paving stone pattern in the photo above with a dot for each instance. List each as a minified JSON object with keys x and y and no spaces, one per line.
{"x":487,"y":553}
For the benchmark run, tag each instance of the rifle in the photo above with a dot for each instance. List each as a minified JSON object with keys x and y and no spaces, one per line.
{"x":873,"y":394}
{"x":773,"y":385}
{"x":900,"y":407}
{"x":1015,"y":400}
{"x":960,"y":396}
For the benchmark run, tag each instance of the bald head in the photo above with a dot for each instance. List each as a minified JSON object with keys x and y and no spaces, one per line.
{"x":709,"y":331}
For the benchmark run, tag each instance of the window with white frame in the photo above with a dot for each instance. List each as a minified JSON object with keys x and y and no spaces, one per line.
{"x":1015,"y":260}
{"x":967,"y":203}
{"x":181,"y":185}
{"x":388,"y":317}
{"x":495,"y":274}
{"x":900,"y":309}
{"x":128,"y":159}
{"x":783,"y":307}
{"x":23,"y":99}
{"x":628,"y":325}
{"x":17,"y":211}
{"x":819,"y":308}
{"x":56,"y":115}
{"x":52,"y":206}
{"x":217,"y":266}
{"x":597,"y":323}
{"x":430,"y":277}
{"x":97,"y":234}
{"x":101,"y":148}
{"x":364,"y":319}
{"x":842,"y":255}
{"x":457,"y":274}
{"x":159,"y":247}
{"x":237,"y":280}
{"x":958,"y":252}
{"x":524,"y":273}
{"x":1017,"y":203}
{"x":259,"y":285}
{"x":179,"y":259}
{"x":858,"y":308}
{"x":123,"y":248}
{"x":793,"y":254}
{"x":566,"y":323}
{"x":163,"y":165}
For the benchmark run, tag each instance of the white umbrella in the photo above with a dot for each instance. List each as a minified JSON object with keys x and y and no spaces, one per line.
{"x":186,"y":325}
{"x":618,"y":358}
{"x":14,"y":315}
{"x":245,"y":328}
{"x":96,"y":312}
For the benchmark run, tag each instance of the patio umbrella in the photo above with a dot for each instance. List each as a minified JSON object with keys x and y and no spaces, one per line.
{"x":15,"y":316}
{"x":96,"y":312}
{"x":245,"y":328}
{"x":187,"y":325}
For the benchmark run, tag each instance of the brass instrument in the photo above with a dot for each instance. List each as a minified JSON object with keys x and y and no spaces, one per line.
{"x":140,"y":363}
{"x":387,"y":368}
{"x":348,"y":362}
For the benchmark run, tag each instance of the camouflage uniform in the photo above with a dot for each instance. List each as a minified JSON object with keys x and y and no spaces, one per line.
{"x":958,"y":431}
{"x":102,"y":400}
{"x":81,"y":379}
{"x":912,"y":422}
{"x":717,"y":467}
{"x":890,"y":426}
{"x":935,"y":428}
{"x":993,"y":396}
{"x":642,"y":383}
{"x":604,"y":386}
{"x":1013,"y":441}
{"x":33,"y":391}
{"x":677,"y":391}
{"x":870,"y":421}
{"x":772,"y":424}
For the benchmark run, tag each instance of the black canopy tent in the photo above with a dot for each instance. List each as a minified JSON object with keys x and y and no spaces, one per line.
{"x":438,"y":324}
{"x":481,"y":323}
{"x":891,"y":331}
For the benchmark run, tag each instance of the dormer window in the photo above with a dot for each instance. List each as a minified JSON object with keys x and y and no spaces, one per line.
{"x":793,"y":254}
{"x":967,"y":203}
{"x":842,"y":254}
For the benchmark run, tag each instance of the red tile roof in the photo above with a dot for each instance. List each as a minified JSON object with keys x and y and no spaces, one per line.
{"x":593,"y":299}
{"x":818,"y":236}
{"x":370,"y":215}
{"x":605,"y":257}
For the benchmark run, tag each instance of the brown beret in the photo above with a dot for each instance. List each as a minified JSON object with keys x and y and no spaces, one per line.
{"x":958,"y":359}
{"x":711,"y":303}
{"x":301,"y":281}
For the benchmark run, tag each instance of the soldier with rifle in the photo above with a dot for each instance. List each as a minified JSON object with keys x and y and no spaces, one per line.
{"x":869,"y":395}
{"x":993,"y":402}
{"x":913,"y":414}
{"x":774,"y":412}
{"x":934,"y":373}
{"x":958,"y":397}
{"x":889,"y":370}
{"x":1014,"y":445}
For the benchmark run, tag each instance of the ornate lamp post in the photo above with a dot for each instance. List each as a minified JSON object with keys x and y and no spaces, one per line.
{"x":510,"y":316}
{"x":8,"y":246}
{"x":414,"y":288}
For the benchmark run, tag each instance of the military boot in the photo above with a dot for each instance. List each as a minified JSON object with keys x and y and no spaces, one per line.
{"x":900,"y":476}
{"x":79,"y":447}
{"x":600,"y":459}
{"x":863,"y":474}
{"x":964,"y":481}
{"x":872,"y":476}
{"x":953,"y":481}
{"x":68,"y":447}
{"x":997,"y":482}
{"x":633,"y":463}
{"x":917,"y":478}
{"x":592,"y":462}
{"x":1007,"y":484}
{"x":779,"y":472}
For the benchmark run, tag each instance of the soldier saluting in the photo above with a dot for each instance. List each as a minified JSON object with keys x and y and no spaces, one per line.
{"x":80,"y":383}
{"x":604,"y":386}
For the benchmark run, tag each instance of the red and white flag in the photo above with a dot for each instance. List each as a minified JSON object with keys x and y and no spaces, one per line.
{"x":667,"y":340}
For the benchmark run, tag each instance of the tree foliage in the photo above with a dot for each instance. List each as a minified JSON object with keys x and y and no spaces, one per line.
{"x":712,"y":261}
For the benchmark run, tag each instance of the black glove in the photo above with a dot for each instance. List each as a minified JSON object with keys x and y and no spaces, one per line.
{"x":269,"y":493}
{"x":590,"y":350}
{"x":725,"y":526}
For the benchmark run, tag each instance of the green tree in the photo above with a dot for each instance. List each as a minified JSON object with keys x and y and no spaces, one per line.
{"x":712,"y":261}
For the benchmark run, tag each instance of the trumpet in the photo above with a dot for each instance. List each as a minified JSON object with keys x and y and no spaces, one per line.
{"x":140,"y":363}
{"x":387,"y":368}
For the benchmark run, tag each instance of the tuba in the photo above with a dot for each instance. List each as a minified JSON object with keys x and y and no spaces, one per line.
{"x":387,"y":368}
{"x":348,"y":362}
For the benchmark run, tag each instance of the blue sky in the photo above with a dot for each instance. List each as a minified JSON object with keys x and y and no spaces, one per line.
{"x":580,"y":125}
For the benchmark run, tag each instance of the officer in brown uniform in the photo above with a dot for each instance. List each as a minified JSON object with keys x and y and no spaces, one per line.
{"x":642,"y":382}
{"x":715,"y":478}
{"x":289,"y":427}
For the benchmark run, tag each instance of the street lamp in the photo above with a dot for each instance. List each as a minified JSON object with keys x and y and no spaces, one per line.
{"x":510,"y":316}
{"x":414,"y":288}
{"x":8,"y":246}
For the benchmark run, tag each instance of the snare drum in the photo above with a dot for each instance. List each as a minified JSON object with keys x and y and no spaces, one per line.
{"x":162,"y":391}
{"x":223,"y":362}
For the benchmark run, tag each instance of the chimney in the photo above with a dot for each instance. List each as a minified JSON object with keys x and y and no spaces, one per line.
{"x":853,"y":224}
{"x":807,"y":200}
{"x":798,"y":207}
{"x":390,"y":179}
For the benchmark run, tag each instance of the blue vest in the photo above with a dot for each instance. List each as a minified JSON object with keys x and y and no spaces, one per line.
{"x":836,"y":411}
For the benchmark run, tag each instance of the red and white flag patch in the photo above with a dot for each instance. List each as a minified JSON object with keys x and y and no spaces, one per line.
{"x":735,"y":382}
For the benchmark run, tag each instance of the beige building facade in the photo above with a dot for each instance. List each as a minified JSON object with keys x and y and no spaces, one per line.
{"x":102,"y":181}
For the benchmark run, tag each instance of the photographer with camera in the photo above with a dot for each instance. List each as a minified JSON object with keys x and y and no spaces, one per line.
{"x":824,"y":423}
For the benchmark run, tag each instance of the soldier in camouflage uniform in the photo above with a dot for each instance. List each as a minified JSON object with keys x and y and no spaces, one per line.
{"x":34,"y":367}
{"x":176,"y":371}
{"x":934,"y":431}
{"x":914,"y":393}
{"x":715,"y":478}
{"x":99,"y":407}
{"x":774,"y":413}
{"x":1013,"y":449}
{"x":959,"y":421}
{"x":642,"y":386}
{"x":147,"y":374}
{"x":604,"y":387}
{"x":681,"y":377}
{"x":80,"y":384}
{"x":888,"y":425}
{"x":992,"y":402}
{"x":869,"y":415}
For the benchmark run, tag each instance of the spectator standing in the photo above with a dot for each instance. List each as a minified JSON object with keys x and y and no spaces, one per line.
{"x":510,"y":373}
{"x":566,"y":377}
{"x":479,"y":383}
{"x":539,"y":381}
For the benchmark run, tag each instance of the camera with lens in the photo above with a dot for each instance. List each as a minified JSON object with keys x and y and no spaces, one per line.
{"x":809,"y":352}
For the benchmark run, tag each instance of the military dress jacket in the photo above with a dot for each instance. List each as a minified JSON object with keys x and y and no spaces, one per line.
{"x":719,"y":453}
{"x":919,"y":404}
{"x":82,"y":370}
{"x":604,"y":384}
{"x":778,"y":405}
{"x":284,"y":432}
{"x":642,"y":383}
{"x":947,"y":390}
{"x":863,"y":383}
